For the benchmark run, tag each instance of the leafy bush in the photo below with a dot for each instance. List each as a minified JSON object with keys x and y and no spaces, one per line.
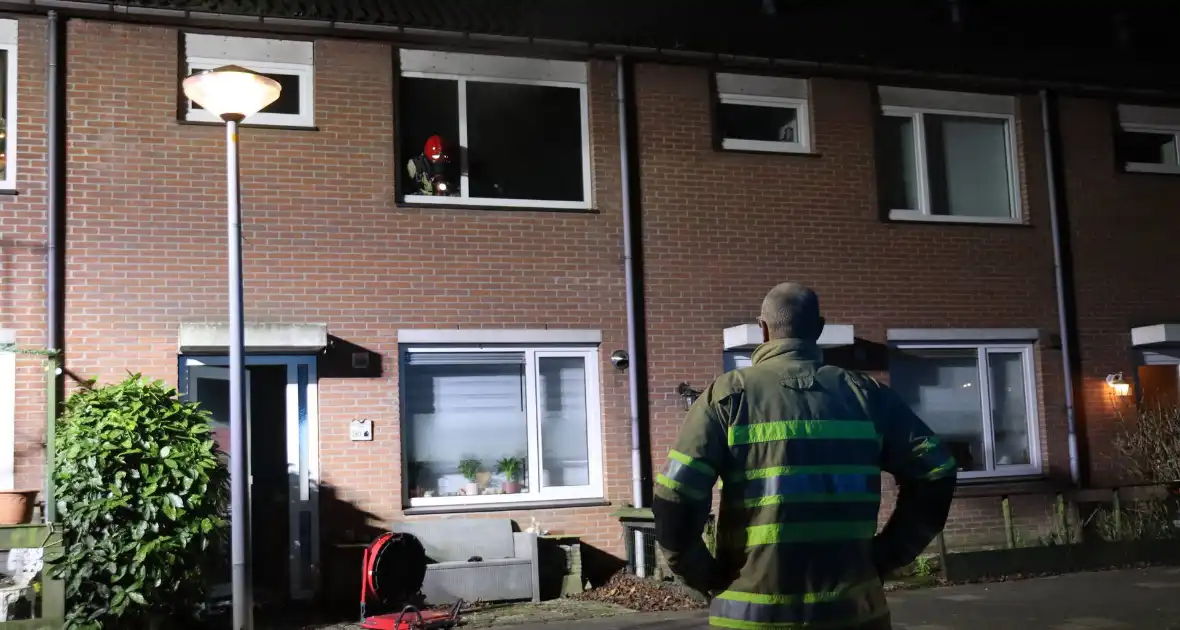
{"x":141,"y":492}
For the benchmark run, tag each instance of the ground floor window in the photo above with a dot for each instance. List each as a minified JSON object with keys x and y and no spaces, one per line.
{"x":980,"y":399}
{"x":500,"y":425}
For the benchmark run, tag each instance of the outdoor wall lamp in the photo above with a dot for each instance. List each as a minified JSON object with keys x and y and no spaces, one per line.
{"x":233,"y":93}
{"x":1118,"y":385}
{"x":689,"y":394}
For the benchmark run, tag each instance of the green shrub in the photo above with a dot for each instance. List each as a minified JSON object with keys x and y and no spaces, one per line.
{"x":141,"y":492}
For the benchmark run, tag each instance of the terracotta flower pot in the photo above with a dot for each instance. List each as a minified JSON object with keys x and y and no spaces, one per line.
{"x":511,"y":487}
{"x":16,"y":506}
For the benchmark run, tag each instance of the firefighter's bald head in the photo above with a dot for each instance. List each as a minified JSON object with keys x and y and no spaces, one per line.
{"x":791,"y":311}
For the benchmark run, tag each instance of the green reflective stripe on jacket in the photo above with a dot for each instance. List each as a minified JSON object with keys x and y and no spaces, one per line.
{"x":842,"y":607}
{"x":801,"y":430}
{"x":687,"y":476}
{"x":809,"y":532}
{"x":686,"y":491}
{"x":782,"y":471}
{"x":936,"y":461}
{"x":779,"y":499}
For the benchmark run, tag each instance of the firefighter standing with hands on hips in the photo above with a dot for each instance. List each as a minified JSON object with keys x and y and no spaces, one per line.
{"x":799,"y":447}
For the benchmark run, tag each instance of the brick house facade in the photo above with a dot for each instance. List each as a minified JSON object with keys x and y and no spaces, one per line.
{"x":336,"y":251}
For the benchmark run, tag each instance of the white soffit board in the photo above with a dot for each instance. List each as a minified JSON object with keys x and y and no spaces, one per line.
{"x":1157,"y":334}
{"x":755,"y":85}
{"x":1149,"y":116}
{"x":748,"y":336}
{"x":8,"y":32}
{"x":259,"y":337}
{"x":515,"y":336}
{"x":492,"y":66}
{"x":247,"y":49}
{"x":951,"y":101}
{"x":971,"y":335}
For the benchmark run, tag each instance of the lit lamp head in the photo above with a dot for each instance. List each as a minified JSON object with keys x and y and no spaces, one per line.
{"x":1119,"y":386}
{"x":232,"y":93}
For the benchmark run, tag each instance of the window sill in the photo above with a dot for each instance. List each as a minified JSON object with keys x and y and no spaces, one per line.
{"x":1136,"y":168}
{"x":419,"y":202}
{"x":245,"y":125}
{"x":542,"y":504}
{"x":985,"y":487}
{"x":910,"y":216}
{"x":782,"y":152}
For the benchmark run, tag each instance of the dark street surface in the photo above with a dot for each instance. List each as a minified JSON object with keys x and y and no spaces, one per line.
{"x":1139,"y":599}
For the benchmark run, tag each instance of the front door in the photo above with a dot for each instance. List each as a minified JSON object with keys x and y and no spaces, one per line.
{"x":282,"y":466}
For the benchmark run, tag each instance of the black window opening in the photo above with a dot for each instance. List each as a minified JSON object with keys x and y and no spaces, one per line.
{"x":511,"y":141}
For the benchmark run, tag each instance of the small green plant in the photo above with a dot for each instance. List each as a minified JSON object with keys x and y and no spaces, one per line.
{"x":510,"y":467}
{"x":142,"y":495}
{"x":923,"y":566}
{"x":469,"y":468}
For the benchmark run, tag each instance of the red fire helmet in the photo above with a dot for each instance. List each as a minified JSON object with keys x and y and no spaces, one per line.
{"x":434,"y":149}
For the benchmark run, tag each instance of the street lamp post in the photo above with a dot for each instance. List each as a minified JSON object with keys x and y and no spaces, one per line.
{"x":233,"y":93}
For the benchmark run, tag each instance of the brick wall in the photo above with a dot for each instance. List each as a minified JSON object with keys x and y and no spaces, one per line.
{"x":720,"y":229}
{"x":1126,"y":264}
{"x":326,"y":244}
{"x":22,"y":253}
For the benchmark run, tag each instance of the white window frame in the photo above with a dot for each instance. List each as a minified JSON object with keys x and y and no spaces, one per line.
{"x":764,"y":91}
{"x":9,"y":31}
{"x":1034,"y":467}
{"x":593,"y":428}
{"x":1163,"y":121}
{"x":461,"y":68}
{"x":7,"y":411}
{"x":951,"y":104}
{"x":266,"y":56}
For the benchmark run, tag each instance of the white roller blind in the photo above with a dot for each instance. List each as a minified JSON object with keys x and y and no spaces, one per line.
{"x":561,"y":391}
{"x":464,"y":405}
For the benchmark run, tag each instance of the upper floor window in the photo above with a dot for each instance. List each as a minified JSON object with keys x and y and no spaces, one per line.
{"x":510,"y":131}
{"x":8,"y":81}
{"x":288,"y":62}
{"x":947,"y":156}
{"x":759,"y":113}
{"x":1146,"y":141}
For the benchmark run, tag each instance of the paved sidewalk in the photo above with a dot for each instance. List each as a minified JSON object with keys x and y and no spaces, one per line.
{"x":1139,"y":599}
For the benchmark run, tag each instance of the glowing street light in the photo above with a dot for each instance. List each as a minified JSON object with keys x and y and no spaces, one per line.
{"x":233,"y":93}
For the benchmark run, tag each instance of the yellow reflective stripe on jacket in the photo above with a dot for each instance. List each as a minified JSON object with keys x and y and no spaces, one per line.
{"x":762,"y":432}
{"x":688,"y":477}
{"x":809,"y":532}
{"x":842,"y":608}
{"x":929,"y":453}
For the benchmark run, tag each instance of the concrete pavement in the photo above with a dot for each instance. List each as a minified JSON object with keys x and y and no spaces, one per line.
{"x":1137,"y":599}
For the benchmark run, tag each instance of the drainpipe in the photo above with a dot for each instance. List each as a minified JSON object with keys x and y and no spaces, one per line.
{"x":54,"y":237}
{"x":633,"y":313}
{"x":1075,"y":472}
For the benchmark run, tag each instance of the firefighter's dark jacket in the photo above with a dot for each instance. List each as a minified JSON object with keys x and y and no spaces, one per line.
{"x":799,"y":449}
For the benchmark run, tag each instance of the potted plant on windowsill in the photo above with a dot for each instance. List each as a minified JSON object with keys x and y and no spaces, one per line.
{"x":510,"y":467}
{"x":469,"y":468}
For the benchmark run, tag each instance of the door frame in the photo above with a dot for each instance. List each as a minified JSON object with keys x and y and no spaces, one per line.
{"x":303,"y":432}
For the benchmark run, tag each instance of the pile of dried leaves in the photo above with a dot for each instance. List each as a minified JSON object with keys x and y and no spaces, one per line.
{"x":628,"y":591}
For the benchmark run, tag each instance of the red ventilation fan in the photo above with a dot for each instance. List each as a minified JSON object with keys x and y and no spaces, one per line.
{"x":392,"y":572}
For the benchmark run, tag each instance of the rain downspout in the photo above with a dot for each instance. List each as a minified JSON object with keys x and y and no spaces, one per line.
{"x":1075,"y":472}
{"x":54,"y":237}
{"x":634,"y":372}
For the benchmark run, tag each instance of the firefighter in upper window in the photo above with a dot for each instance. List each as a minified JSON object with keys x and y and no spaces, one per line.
{"x":799,"y":447}
{"x":429,"y":169}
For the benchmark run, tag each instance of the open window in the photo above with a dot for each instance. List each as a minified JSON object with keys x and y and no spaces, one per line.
{"x":1148,"y":139}
{"x":513,"y":132}
{"x":760,"y":113}
{"x":288,"y":62}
